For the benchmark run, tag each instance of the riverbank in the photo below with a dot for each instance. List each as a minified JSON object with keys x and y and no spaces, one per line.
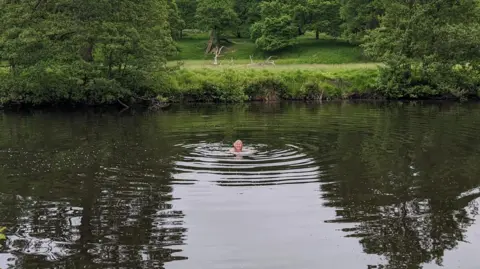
{"x":271,"y":84}
{"x":217,"y":84}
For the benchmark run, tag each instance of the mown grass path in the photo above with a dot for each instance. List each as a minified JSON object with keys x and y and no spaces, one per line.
{"x":202,"y":64}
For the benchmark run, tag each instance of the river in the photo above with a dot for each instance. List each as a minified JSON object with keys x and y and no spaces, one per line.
{"x":333,"y":185}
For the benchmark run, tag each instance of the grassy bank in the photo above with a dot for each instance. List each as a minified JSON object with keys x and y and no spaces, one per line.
{"x":234,"y":85}
{"x":206,"y":85}
{"x":220,"y":84}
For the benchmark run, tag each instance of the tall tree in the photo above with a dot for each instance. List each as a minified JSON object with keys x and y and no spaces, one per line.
{"x":324,"y":16}
{"x":248,"y":13}
{"x":300,"y":14}
{"x":277,"y":28}
{"x":359,"y":16}
{"x":176,"y":23}
{"x":90,"y":46}
{"x":423,"y":42}
{"x":187,"y":10}
{"x":217,"y":16}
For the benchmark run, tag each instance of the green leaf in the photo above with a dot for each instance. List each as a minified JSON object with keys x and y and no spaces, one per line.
{"x":2,"y":229}
{"x":3,"y":237}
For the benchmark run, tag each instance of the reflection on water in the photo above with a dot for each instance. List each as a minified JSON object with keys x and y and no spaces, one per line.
{"x":336,"y":185}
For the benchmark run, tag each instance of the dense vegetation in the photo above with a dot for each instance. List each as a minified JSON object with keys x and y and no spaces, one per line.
{"x":100,"y":52}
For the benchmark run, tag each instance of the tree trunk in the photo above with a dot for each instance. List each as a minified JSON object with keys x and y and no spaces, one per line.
{"x":300,"y":31}
{"x":13,"y":67}
{"x":317,"y":34}
{"x":210,"y":42}
{"x":87,"y":53}
{"x":213,"y":41}
{"x":216,"y":40}
{"x":110,"y":63}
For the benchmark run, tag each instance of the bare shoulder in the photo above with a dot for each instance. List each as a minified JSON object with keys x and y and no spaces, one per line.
{"x":243,"y":152}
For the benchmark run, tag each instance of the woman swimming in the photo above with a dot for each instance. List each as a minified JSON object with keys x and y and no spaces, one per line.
{"x":238,"y":149}
{"x":237,"y":146}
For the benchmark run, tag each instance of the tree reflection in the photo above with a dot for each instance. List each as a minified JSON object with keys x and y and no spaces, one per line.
{"x":85,"y":197}
{"x":403,"y":185}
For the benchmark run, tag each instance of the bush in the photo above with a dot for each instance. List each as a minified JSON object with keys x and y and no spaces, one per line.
{"x":407,"y":79}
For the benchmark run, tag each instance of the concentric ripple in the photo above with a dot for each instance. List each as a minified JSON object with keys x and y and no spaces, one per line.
{"x":259,"y":165}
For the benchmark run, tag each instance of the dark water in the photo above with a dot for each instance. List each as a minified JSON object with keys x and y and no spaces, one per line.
{"x":330,"y":186}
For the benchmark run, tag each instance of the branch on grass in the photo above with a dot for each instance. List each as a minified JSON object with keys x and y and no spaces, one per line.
{"x":226,"y":40}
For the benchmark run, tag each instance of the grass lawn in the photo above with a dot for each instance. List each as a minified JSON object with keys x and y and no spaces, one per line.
{"x":308,"y":50}
{"x":202,"y":64}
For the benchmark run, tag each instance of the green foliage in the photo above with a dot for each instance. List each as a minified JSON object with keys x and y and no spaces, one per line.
{"x":101,"y":52}
{"x":187,"y":10}
{"x":240,"y":85}
{"x":248,"y":13}
{"x":324,"y":16}
{"x":279,"y":22}
{"x":423,"y":46}
{"x":277,"y":28}
{"x":359,"y":16}
{"x":205,"y":87}
{"x":415,"y":31}
{"x":176,"y":23}
{"x":275,"y":33}
{"x":217,"y":16}
{"x":73,"y":51}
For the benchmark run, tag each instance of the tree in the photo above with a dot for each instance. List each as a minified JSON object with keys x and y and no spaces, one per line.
{"x":187,"y":10}
{"x":176,"y":23}
{"x":248,"y":13}
{"x":277,"y":29}
{"x":76,"y":50}
{"x":324,"y":16}
{"x":430,"y":48}
{"x":359,"y":16}
{"x":300,"y":14}
{"x":217,"y":16}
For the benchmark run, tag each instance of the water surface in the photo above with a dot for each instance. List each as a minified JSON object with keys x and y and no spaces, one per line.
{"x":339,"y":185}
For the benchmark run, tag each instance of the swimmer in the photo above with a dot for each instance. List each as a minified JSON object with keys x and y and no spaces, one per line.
{"x":239,"y":150}
{"x":237,"y":146}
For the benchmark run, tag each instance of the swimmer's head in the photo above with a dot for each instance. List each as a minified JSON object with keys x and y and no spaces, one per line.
{"x":238,"y":145}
